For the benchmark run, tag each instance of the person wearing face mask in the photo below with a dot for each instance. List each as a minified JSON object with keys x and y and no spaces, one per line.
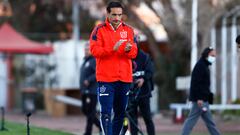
{"x":238,"y":41}
{"x":200,"y":94}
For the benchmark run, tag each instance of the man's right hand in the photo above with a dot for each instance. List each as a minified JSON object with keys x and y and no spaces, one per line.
{"x":117,"y":45}
{"x":128,"y":47}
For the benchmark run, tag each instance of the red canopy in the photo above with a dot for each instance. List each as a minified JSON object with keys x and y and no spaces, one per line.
{"x":13,"y":42}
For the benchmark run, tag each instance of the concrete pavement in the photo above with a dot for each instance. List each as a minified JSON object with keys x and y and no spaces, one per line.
{"x":76,"y":124}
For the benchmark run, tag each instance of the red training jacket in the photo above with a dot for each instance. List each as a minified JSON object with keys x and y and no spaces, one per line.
{"x":112,"y":65}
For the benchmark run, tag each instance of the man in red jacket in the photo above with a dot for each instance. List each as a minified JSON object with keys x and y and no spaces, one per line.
{"x":112,"y":44}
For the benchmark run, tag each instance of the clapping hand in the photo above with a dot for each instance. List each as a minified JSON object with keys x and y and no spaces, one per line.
{"x":128,"y":47}
{"x":117,"y":45}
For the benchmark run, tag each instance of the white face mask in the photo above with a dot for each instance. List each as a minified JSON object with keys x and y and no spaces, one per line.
{"x":211,"y":59}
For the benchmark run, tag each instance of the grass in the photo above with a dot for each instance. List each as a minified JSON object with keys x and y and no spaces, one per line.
{"x":197,"y":134}
{"x":20,"y":129}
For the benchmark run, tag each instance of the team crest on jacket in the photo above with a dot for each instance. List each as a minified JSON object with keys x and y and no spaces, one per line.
{"x":123,"y":34}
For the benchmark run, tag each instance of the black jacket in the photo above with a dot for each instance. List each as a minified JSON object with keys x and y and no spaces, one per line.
{"x":143,"y":68}
{"x":87,"y":72}
{"x":200,"y":81}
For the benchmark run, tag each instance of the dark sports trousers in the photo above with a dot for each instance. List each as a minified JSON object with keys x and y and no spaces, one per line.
{"x":112,"y":97}
{"x":89,"y":109}
{"x":144,"y":106}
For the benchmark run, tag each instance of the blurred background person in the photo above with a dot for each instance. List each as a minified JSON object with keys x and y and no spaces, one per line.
{"x":238,"y":41}
{"x":88,"y":88}
{"x":200,"y":94}
{"x":141,"y":93}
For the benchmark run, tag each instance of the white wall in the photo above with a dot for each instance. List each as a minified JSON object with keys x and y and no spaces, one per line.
{"x":67,"y":59}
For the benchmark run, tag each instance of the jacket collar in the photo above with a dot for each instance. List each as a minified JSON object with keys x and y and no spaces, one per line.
{"x":109,"y":25}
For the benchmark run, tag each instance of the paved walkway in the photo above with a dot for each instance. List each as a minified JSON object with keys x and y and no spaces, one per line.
{"x":76,"y":124}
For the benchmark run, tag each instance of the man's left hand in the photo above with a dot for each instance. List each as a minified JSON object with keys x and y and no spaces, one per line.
{"x":86,"y":82}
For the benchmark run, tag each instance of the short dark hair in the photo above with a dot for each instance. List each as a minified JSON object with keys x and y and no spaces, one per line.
{"x":113,"y":4}
{"x":206,"y":51}
{"x":238,"y":39}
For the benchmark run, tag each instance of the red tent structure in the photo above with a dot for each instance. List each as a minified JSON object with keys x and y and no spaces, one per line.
{"x":12,"y":42}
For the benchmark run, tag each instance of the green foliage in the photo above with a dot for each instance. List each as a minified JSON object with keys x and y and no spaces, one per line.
{"x":175,"y":63}
{"x":237,"y":101}
{"x":20,"y":129}
{"x":48,"y":20}
{"x":232,"y":112}
{"x":197,"y":134}
{"x":165,"y":79}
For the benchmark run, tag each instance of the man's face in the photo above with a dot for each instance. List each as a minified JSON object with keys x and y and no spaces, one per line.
{"x":87,"y":51}
{"x":115,"y":16}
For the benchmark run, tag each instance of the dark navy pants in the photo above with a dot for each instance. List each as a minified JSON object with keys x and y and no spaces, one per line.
{"x":144,"y":105}
{"x":112,"y":96}
{"x":89,"y":102}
